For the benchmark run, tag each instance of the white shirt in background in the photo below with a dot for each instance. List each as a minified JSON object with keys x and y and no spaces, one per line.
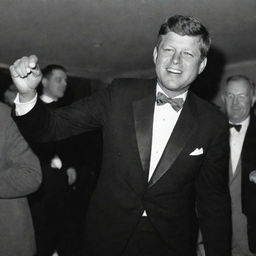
{"x":236,"y":141}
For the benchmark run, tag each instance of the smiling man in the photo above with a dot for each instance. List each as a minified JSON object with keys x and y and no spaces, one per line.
{"x":239,"y":97}
{"x":165,"y":154}
{"x":179,"y":60}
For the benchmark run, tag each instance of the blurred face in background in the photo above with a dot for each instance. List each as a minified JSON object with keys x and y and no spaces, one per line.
{"x":55,"y":84}
{"x":238,"y":100}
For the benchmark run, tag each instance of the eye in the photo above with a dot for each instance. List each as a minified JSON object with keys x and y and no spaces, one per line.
{"x":188,"y":54}
{"x":229,"y":96}
{"x":242,"y":97}
{"x":167,"y":49}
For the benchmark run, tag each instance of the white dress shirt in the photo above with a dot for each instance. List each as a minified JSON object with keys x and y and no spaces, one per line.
{"x":164,"y":120}
{"x":47,"y":99}
{"x":236,"y":141}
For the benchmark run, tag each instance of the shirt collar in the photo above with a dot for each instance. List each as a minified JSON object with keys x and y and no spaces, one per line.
{"x":47,"y":99}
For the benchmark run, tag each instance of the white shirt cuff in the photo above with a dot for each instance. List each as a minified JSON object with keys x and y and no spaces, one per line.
{"x":23,"y":108}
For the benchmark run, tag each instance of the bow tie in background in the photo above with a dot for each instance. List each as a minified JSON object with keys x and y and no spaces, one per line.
{"x":176,"y":103}
{"x":236,"y":126}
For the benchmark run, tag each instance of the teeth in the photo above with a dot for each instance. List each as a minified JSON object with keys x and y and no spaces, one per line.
{"x":173,"y":70}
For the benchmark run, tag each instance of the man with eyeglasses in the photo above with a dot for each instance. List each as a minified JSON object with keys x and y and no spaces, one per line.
{"x":239,"y":97}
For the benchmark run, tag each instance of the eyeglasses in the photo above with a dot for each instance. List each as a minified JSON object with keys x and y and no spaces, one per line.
{"x":240,"y":97}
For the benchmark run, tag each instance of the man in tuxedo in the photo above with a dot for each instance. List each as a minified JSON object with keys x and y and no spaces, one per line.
{"x":239,"y":97}
{"x":49,"y":205}
{"x":165,"y":151}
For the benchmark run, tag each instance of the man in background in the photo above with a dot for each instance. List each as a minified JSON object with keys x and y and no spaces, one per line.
{"x":50,"y":205}
{"x":239,"y":97}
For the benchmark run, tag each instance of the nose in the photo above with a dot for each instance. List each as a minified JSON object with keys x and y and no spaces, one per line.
{"x":235,"y":101}
{"x":176,"y":58}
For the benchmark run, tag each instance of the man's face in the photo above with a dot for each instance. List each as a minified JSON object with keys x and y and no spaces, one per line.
{"x":178,"y":62}
{"x":55,"y":85}
{"x":238,"y":100}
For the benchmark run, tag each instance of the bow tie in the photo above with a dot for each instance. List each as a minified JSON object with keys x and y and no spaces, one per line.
{"x":176,"y":103}
{"x":236,"y":126}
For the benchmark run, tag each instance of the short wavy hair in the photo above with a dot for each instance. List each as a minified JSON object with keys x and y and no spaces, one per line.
{"x":47,"y":71}
{"x":187,"y":26}
{"x":240,"y":77}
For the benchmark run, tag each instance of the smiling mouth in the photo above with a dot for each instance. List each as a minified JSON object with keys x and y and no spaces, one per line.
{"x":174,"y":71}
{"x":237,"y":110}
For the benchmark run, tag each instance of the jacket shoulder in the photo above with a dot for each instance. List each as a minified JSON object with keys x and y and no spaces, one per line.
{"x":210,"y":112}
{"x":132,"y":87}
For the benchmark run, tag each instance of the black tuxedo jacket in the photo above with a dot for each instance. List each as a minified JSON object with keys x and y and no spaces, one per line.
{"x":248,"y":161}
{"x":185,"y":188}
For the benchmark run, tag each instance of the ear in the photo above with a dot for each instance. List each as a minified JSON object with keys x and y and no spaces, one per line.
{"x":155,"y":55}
{"x":202,"y":65}
{"x":44,"y":82}
{"x":222,"y":97}
{"x":253,"y":100}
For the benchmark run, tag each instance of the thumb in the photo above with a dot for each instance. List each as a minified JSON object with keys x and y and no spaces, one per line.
{"x":33,"y":66}
{"x":14,"y":74}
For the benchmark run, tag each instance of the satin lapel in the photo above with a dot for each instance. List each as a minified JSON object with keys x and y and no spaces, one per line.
{"x":183,"y":129}
{"x":230,"y":172}
{"x":248,"y":149}
{"x":143,"y":120}
{"x":233,"y":175}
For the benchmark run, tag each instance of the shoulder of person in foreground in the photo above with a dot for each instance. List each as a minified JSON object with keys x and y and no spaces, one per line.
{"x":210,"y":112}
{"x":20,"y":172}
{"x":132,"y":87}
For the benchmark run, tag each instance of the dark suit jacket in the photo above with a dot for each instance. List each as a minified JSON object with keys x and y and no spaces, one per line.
{"x":46,"y":152}
{"x":49,"y":204}
{"x":20,"y":175}
{"x":182,"y":185}
{"x":248,"y":161}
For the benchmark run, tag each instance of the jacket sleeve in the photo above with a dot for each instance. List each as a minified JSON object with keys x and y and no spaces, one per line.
{"x":213,"y":198}
{"x":44,"y":125}
{"x":20,"y":172}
